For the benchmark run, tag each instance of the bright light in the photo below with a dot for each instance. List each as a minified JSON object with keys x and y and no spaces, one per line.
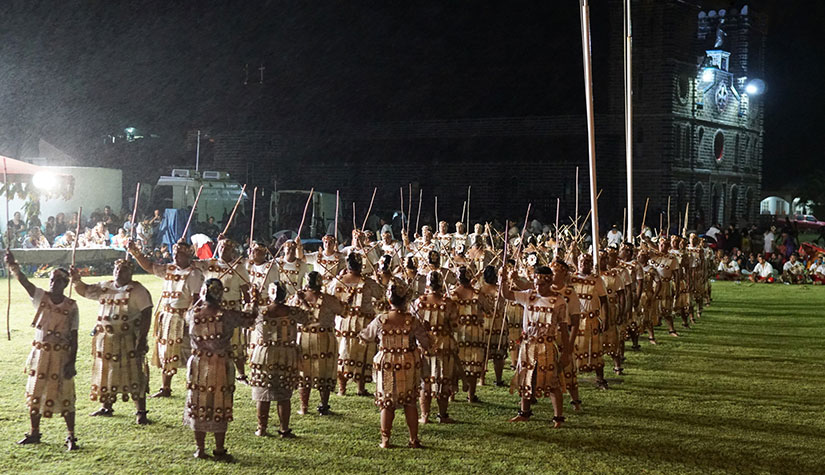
{"x":707,"y":75}
{"x":46,"y":181}
{"x":755,"y":87}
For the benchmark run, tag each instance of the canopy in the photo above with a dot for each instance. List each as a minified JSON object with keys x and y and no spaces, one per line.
{"x":56,"y":183}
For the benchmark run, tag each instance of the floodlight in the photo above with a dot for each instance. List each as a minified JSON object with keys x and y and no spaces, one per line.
{"x":44,"y":180}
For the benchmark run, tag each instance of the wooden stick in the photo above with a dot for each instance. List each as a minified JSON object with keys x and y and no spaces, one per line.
{"x":191,"y":213}
{"x":667,"y":233}
{"x":495,"y":312}
{"x":418,"y":216}
{"x":523,"y":230}
{"x":463,"y":210}
{"x":577,"y":203}
{"x":369,"y":210}
{"x":437,"y":222}
{"x":644,"y":216}
{"x":660,"y":222}
{"x":337,"y":200}
{"x":354,"y":225}
{"x":306,"y":207}
{"x":467,"y":230}
{"x":252,"y":220}
{"x":8,"y":246}
{"x":687,"y":208}
{"x":131,"y":221}
{"x":74,"y":244}
{"x":409,"y":211}
{"x":402,"y":211}
{"x":679,"y":229}
{"x":232,"y":216}
{"x":556,"y":233}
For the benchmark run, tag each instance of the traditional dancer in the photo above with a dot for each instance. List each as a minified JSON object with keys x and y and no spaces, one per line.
{"x":275,"y":359}
{"x":594,"y":322}
{"x":668,"y":269}
{"x":210,"y":376}
{"x":648,"y":313}
{"x":495,"y":340}
{"x":328,"y":261}
{"x":539,"y":369}
{"x":316,"y":339}
{"x":181,"y":283}
{"x":439,"y":316}
{"x":235,"y":278}
{"x":291,"y":265}
{"x":51,"y":363}
{"x":119,"y":343}
{"x":614,"y":286}
{"x":397,"y":363}
{"x":562,"y":287}
{"x":472,"y":307}
{"x":358,"y":293}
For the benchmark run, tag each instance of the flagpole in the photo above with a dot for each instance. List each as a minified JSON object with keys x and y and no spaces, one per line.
{"x":591,"y":132}
{"x":628,"y":84}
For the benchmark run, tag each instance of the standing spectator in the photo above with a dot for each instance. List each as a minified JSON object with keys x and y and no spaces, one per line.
{"x":769,"y":237}
{"x":110,"y":220}
{"x":34,"y":221}
{"x":614,"y":237}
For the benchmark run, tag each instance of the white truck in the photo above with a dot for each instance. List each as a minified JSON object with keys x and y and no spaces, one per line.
{"x":218,"y":197}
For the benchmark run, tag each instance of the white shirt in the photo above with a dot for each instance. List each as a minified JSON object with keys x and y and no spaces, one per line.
{"x":820,"y":269}
{"x":769,"y":238}
{"x":764,"y":270}
{"x":731,"y":267}
{"x":614,"y":238}
{"x":793,"y":267}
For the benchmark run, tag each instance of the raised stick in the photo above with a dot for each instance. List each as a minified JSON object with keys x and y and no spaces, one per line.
{"x":644,"y":216}
{"x":624,"y":223}
{"x":354,"y":225}
{"x":684,"y":229}
{"x":418,"y":216}
{"x":8,"y":246}
{"x":131,"y":221}
{"x":591,"y":128}
{"x":463,"y":210}
{"x":437,"y":225}
{"x":577,"y":202}
{"x":556,"y":234}
{"x":74,"y":243}
{"x":306,"y":207}
{"x":660,"y":222}
{"x":235,"y":209}
{"x":523,"y":230}
{"x":369,"y":210}
{"x":191,"y":213}
{"x":469,"y":187}
{"x":409,"y":211}
{"x":495,"y":312}
{"x":667,"y":233}
{"x":252,"y":220}
{"x":337,"y":200}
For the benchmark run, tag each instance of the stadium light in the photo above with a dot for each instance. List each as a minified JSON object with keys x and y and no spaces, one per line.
{"x":45,"y":181}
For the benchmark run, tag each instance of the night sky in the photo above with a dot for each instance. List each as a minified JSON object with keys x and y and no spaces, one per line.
{"x":75,"y":71}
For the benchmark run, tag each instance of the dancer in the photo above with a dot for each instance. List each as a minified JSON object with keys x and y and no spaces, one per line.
{"x":51,"y":363}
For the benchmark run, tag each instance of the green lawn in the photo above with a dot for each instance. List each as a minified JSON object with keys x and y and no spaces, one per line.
{"x":741,"y":392}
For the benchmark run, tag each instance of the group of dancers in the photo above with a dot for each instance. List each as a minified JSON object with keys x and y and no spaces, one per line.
{"x":422,"y":317}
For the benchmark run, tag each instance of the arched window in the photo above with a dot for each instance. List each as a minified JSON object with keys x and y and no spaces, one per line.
{"x":734,"y":204}
{"x":718,"y":145}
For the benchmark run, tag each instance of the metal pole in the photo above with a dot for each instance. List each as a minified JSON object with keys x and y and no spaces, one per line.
{"x":628,"y":57}
{"x":591,"y":132}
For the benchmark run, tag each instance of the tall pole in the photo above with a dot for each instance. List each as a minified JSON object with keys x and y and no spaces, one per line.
{"x":591,"y":131}
{"x":628,"y":109}
{"x":8,"y":246}
{"x":198,"y":152}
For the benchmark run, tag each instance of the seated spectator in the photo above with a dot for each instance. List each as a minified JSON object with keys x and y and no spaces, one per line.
{"x":16,"y":227}
{"x":793,"y":272}
{"x":728,"y":269}
{"x":34,"y":221}
{"x":49,"y":230}
{"x":65,"y":240}
{"x":763,"y":271}
{"x":60,"y":226}
{"x":143,"y":233}
{"x":817,"y":270}
{"x":110,"y":219}
{"x":98,"y":236}
{"x":119,"y":239}
{"x":35,"y":239}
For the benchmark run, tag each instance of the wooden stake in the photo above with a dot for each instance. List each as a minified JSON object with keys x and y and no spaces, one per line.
{"x":235,"y":209}
{"x":191,"y":213}
{"x":306,"y":207}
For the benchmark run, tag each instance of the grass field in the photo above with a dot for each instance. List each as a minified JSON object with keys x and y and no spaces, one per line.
{"x":741,"y":392}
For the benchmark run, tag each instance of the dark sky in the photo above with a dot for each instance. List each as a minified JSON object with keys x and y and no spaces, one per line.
{"x":83,"y":69}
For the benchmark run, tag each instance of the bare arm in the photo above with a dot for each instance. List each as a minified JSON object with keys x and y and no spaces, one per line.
{"x":14,"y":268}
{"x":141,"y":259}
{"x":145,"y":322}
